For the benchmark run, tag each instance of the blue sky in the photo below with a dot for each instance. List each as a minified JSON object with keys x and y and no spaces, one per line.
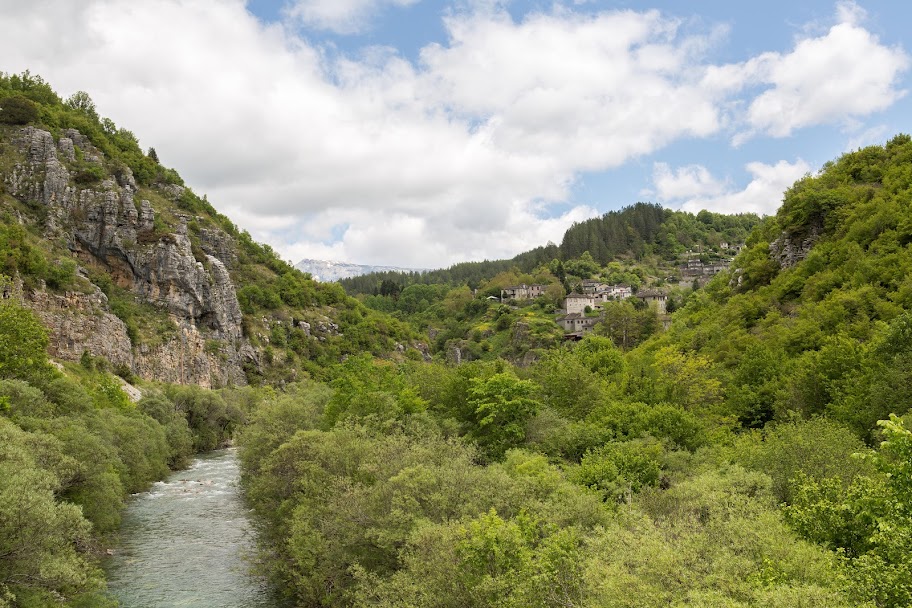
{"x":423,"y":133}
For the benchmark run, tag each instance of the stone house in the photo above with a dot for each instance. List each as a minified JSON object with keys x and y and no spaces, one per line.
{"x":695,"y":268}
{"x":522,"y":292}
{"x":605,"y":291}
{"x":577,"y":323}
{"x":593,"y":286}
{"x":576,"y":303}
{"x":619,"y":292}
{"x":656,"y":299}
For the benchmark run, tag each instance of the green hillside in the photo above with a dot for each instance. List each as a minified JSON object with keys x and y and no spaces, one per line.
{"x":734,"y":460}
{"x":757,"y":453}
{"x":295,"y":326}
{"x":811,"y":318}
{"x":642,"y":246}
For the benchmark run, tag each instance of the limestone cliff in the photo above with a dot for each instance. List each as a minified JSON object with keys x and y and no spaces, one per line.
{"x":107,"y":229}
{"x":789,"y":249}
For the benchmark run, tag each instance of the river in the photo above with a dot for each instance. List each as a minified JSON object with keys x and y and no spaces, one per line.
{"x":185,"y":541}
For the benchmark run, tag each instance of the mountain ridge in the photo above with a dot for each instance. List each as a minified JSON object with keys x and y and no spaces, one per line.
{"x":333,"y":270}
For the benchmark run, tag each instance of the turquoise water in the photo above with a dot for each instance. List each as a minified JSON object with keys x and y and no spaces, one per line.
{"x":185,"y":543}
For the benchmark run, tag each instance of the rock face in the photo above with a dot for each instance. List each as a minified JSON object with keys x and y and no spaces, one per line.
{"x":79,"y":322}
{"x":104,"y":226}
{"x":789,"y":249}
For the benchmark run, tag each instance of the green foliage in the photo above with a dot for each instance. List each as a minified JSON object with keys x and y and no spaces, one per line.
{"x":23,"y":342}
{"x":367,"y":388}
{"x":816,"y":449}
{"x":392,"y":515}
{"x":89,"y":174}
{"x":617,"y":470}
{"x":17,"y":110}
{"x":20,"y":253}
{"x":82,"y":102}
{"x":870,"y":520}
{"x":501,"y":405}
{"x":569,"y":385}
{"x":39,"y":536}
{"x":583,"y":267}
{"x":714,"y":539}
{"x":177,"y":430}
{"x":211,"y":419}
{"x":626,"y":325}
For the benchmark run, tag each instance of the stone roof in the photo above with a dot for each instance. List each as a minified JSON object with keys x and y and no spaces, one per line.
{"x":651,"y":293}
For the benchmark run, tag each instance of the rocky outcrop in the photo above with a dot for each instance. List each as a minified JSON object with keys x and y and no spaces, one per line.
{"x":219,"y":245}
{"x":80,"y":322}
{"x":192,"y":358}
{"x":104,"y":226}
{"x":789,"y":248}
{"x":454,"y":353}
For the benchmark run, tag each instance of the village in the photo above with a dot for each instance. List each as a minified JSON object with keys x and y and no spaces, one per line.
{"x":583,"y":309}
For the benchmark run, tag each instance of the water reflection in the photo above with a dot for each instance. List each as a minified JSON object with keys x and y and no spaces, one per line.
{"x":184,"y":543}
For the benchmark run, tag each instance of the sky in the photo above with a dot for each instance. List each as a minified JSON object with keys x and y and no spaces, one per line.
{"x":422,"y":133}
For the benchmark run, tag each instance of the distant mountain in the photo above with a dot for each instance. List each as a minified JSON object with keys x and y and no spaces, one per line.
{"x":328,"y":271}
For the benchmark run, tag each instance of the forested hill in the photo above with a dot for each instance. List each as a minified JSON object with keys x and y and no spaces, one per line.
{"x":121,"y":259}
{"x":813,"y":318}
{"x":631,"y":233}
{"x":757,"y":453}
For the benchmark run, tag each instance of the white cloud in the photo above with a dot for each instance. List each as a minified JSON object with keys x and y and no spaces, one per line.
{"x":849,"y":12}
{"x":869,"y":137}
{"x":340,"y":16}
{"x":693,"y":188}
{"x":467,"y":152}
{"x":829,"y":79}
{"x":590,"y":92}
{"x":418,"y":242}
{"x":685,"y":182}
{"x":462,"y":155}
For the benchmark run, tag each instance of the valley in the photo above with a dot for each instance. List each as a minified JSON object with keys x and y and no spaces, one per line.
{"x":735,"y":436}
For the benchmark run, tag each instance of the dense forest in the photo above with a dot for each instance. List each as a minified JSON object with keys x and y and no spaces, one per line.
{"x":755,"y":452}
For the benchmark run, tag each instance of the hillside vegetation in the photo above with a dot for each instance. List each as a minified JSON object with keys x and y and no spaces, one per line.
{"x":757,"y":453}
{"x":642,"y":246}
{"x":295,"y":325}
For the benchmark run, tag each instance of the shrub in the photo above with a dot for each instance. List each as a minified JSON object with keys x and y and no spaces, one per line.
{"x":89,"y":174}
{"x":17,"y":110}
{"x":23,"y":344}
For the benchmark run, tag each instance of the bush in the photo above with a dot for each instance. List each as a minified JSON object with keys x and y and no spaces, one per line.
{"x":17,"y":110}
{"x":89,"y":174}
{"x":23,"y":344}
